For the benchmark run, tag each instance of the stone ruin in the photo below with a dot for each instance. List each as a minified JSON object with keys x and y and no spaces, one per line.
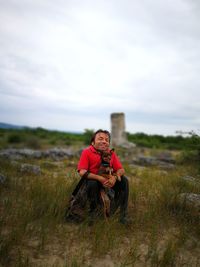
{"x":118,"y":134}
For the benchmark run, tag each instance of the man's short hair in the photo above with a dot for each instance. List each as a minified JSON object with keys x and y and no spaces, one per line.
{"x":100,"y":131}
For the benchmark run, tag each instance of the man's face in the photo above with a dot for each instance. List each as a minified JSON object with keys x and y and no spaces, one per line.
{"x":101,"y":141}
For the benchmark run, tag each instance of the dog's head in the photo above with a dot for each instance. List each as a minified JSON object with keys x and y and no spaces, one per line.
{"x":106,"y":156}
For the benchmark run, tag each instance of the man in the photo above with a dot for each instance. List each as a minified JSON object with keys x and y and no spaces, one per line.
{"x":88,"y":167}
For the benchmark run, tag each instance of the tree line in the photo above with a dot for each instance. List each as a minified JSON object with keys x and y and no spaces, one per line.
{"x":39,"y":137}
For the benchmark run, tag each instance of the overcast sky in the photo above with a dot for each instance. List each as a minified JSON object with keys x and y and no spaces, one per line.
{"x":68,"y":65}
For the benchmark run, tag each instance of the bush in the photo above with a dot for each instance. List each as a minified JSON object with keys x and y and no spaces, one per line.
{"x":14,"y":138}
{"x":191,"y":155}
{"x":88,"y":133}
{"x":33,"y":142}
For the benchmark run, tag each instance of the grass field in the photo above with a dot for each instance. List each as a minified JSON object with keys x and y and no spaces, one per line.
{"x":33,"y":231}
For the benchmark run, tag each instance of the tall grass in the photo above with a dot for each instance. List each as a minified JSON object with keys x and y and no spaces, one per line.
{"x":33,"y":228}
{"x":30,"y":206}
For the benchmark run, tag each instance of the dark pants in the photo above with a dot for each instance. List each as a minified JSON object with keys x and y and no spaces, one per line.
{"x":121,"y":189}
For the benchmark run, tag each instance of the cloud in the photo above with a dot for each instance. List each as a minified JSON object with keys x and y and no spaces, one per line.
{"x":80,"y":61}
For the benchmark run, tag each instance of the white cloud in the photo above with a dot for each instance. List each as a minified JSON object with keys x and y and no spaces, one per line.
{"x":84,"y":60}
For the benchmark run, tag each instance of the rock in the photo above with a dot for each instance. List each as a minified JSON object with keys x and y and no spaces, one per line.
{"x":127,"y":145}
{"x":60,"y":153}
{"x":152,"y":161}
{"x":10,"y":154}
{"x":26,"y":152}
{"x":190,"y":201}
{"x":191,"y":179}
{"x":166,"y":157}
{"x":144,"y":160}
{"x":29,"y":168}
{"x":3,"y":179}
{"x":37,"y":154}
{"x":54,"y":153}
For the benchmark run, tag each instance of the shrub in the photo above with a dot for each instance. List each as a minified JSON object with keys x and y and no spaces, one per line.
{"x":14,"y":138}
{"x":192,"y":153}
{"x":33,"y":142}
{"x":88,"y":133}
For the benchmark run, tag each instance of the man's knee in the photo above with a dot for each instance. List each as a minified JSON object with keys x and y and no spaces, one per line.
{"x":124,"y":179}
{"x":92,"y":185}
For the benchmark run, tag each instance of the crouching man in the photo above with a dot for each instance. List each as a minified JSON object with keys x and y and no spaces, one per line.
{"x":88,"y":168}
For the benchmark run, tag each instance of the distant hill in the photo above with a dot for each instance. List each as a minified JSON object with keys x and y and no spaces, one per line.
{"x":10,"y":126}
{"x":18,"y":127}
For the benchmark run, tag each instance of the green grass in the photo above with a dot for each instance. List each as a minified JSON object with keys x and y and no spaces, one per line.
{"x":38,"y":138}
{"x":33,"y":231}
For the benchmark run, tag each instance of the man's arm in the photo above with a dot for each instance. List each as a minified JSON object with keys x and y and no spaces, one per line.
{"x":92,"y":176}
{"x":120,"y":172}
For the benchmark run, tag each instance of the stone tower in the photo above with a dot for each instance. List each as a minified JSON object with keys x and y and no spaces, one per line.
{"x":118,"y":129}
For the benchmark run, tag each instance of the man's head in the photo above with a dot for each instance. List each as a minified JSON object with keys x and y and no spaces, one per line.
{"x":101,"y":140}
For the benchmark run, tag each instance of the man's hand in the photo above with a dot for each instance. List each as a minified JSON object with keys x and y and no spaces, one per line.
{"x":110,"y":182}
{"x":102,"y":179}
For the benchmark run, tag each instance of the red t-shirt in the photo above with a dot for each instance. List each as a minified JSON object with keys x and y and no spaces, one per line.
{"x":90,"y":160}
